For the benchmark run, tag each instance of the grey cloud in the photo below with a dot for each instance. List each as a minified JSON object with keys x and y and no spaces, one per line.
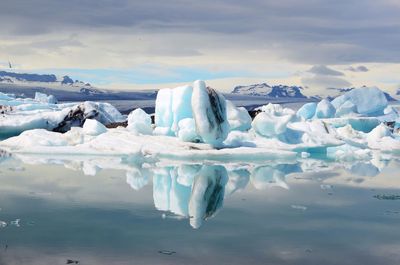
{"x":360,"y":68}
{"x":325,"y":82}
{"x":315,"y":32}
{"x":324,"y":70}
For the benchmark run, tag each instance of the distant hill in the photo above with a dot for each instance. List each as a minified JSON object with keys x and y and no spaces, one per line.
{"x":63,"y":88}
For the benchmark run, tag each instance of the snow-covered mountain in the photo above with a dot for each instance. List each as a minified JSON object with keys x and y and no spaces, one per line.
{"x":63,"y":88}
{"x":46,"y":80}
{"x":279,"y":91}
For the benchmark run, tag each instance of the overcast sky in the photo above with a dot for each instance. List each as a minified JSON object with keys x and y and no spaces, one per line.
{"x":143,"y":44}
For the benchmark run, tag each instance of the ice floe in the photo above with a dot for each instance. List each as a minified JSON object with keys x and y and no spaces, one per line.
{"x":196,"y":123}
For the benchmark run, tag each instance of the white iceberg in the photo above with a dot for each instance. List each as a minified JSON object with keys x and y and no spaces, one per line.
{"x":369,"y":101}
{"x":139,"y":122}
{"x":209,"y":113}
{"x":325,"y":109}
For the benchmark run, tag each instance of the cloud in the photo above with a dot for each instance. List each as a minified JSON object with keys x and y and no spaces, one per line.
{"x":324,"y":70}
{"x":360,"y":68}
{"x":312,"y":32}
{"x":325,"y":82}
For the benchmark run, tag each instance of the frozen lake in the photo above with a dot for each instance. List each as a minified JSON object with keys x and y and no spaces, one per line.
{"x":106,"y":210}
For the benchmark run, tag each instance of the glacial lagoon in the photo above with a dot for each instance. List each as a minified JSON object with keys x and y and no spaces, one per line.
{"x":107,"y":210}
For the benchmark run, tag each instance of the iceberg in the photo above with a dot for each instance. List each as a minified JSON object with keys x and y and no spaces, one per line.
{"x":307,"y":111}
{"x":209,"y":113}
{"x":163,"y":112}
{"x":361,"y":98}
{"x":239,"y":118}
{"x":43,"y":98}
{"x":93,"y":127}
{"x":187,"y":131}
{"x":272,"y":120}
{"x":325,"y":109}
{"x":139,"y":122}
{"x":181,"y":107}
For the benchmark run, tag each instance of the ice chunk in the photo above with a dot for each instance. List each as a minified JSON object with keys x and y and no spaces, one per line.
{"x":187,"y":131}
{"x":238,"y":118}
{"x":347,"y":108}
{"x":5,"y":96}
{"x":43,"y":98}
{"x":307,"y":111}
{"x":93,"y":127}
{"x":370,"y":101}
{"x":181,"y":105}
{"x":273,"y":120}
{"x":209,"y":113}
{"x":163,"y":110}
{"x":139,"y":122}
{"x":325,"y":110}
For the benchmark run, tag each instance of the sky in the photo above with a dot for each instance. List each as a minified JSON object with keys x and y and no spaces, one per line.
{"x":132,"y":44}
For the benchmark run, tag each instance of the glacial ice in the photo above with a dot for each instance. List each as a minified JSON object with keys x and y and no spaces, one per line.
{"x":139,"y":122}
{"x":209,"y":113}
{"x":272,"y":120}
{"x":362,"y":99}
{"x":196,"y":123}
{"x":307,"y":111}
{"x":238,"y":118}
{"x":43,"y":98}
{"x":26,"y":114}
{"x":187,"y":130}
{"x":325,"y":110}
{"x":93,"y":127}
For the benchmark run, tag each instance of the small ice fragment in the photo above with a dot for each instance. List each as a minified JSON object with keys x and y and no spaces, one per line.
{"x":15,"y":222}
{"x":305,"y":154}
{"x":70,"y":261}
{"x":387,"y":197}
{"x":326,"y":187}
{"x":298,"y":207}
{"x":166,"y":252}
{"x":3,"y":224}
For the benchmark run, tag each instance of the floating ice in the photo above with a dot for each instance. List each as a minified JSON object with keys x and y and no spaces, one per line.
{"x":209,"y":113}
{"x":307,"y":111}
{"x":43,"y":98}
{"x":346,"y":109}
{"x":93,"y":127}
{"x":238,"y":118}
{"x":139,"y":122}
{"x":181,"y":105}
{"x":187,"y":131}
{"x":325,"y":110}
{"x":369,"y":101}
{"x":163,"y":111}
{"x":272,"y":120}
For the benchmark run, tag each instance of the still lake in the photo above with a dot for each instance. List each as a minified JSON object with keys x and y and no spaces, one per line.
{"x":107,"y":210}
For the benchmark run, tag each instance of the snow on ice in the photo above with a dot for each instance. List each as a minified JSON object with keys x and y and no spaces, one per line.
{"x":196,"y":123}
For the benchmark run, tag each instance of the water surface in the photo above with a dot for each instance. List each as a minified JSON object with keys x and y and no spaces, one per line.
{"x":110,"y":211}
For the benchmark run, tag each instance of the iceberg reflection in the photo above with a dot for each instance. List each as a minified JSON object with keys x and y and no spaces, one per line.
{"x":197,"y":192}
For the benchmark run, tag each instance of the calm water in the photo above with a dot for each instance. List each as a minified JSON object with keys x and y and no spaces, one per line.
{"x":110,"y":211}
